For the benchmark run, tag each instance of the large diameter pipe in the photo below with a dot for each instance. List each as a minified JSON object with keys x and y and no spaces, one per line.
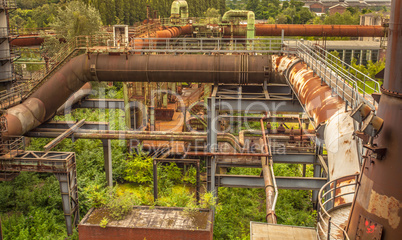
{"x":43,"y":103}
{"x":324,"y":108}
{"x":76,"y":97}
{"x":311,"y":30}
{"x":193,"y":68}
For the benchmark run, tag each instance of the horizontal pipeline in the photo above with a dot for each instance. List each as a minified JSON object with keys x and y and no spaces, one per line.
{"x":310,"y":30}
{"x":44,"y":102}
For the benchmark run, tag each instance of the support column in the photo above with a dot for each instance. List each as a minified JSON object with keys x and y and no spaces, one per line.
{"x":152,"y":113}
{"x":1,"y":231}
{"x":316,"y":173}
{"x":212,"y":140}
{"x":198,"y":183}
{"x":107,"y":155}
{"x":69,"y":197}
{"x":155,"y":169}
{"x":127,"y":109}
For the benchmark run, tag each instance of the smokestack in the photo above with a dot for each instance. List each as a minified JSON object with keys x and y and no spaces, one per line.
{"x":376,"y":210}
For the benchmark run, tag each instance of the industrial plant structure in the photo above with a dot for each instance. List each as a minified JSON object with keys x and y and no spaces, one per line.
{"x":348,"y":123}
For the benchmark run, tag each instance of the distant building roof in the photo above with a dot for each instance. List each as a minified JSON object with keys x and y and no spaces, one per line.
{"x":339,"y":5}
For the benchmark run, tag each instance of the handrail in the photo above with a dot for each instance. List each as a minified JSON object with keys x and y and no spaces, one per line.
{"x":23,"y":90}
{"x":15,"y":144}
{"x":326,"y":203}
{"x":351,"y":89}
{"x":208,"y":45}
{"x":348,"y":86}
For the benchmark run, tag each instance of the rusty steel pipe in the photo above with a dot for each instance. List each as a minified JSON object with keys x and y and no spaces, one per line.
{"x":43,"y":103}
{"x":310,"y":30}
{"x":325,"y":108}
{"x":268,"y":183}
{"x":76,"y":97}
{"x":228,"y":154}
{"x":141,"y":135}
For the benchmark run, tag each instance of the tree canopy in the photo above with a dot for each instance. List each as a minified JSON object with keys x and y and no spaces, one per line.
{"x":76,"y":19}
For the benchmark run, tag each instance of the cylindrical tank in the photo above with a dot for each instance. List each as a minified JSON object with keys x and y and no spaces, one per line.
{"x":376,"y":212}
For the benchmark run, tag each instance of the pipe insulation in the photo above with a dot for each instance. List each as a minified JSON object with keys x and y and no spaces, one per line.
{"x":245,"y":14}
{"x":324,"y":108}
{"x":179,"y":6}
{"x":44,"y":102}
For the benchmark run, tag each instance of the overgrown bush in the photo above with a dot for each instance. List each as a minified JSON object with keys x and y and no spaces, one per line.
{"x":139,"y":168}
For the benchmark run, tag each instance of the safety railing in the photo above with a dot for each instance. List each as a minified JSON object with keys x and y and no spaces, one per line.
{"x":344,"y":81}
{"x":8,"y":4}
{"x":12,"y":96}
{"x":59,"y":56}
{"x":16,"y":145}
{"x":333,"y":196}
{"x":10,"y":54}
{"x":192,"y":20}
{"x":207,"y":45}
{"x":36,"y":31}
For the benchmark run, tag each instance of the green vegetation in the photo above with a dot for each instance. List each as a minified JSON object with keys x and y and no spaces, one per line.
{"x":76,"y":19}
{"x":370,"y":70}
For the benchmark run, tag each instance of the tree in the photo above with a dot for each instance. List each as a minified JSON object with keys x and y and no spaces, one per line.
{"x":305,"y":15}
{"x":281,"y":19}
{"x":212,"y":13}
{"x":77,"y":19}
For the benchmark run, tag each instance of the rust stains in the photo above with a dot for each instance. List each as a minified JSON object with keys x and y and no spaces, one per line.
{"x":315,"y":95}
{"x":385,"y":207}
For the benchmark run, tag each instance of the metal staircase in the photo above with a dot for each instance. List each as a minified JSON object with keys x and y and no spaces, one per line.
{"x":22,"y":90}
{"x":59,"y":58}
{"x":335,"y":200}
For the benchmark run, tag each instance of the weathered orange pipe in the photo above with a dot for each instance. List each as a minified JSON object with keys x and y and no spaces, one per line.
{"x":314,"y":30}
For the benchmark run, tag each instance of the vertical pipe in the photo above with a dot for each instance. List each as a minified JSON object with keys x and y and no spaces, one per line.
{"x":268,"y":183}
{"x":198,"y":183}
{"x":1,"y":231}
{"x":107,"y":156}
{"x":393,"y":63}
{"x":155,"y":169}
{"x":126,"y":106}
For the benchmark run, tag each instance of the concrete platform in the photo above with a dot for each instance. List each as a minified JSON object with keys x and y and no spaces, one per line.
{"x":265,"y":231}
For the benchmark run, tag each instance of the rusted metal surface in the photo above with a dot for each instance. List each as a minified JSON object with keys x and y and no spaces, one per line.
{"x":45,"y":101}
{"x":268,"y":178}
{"x":393,"y":67}
{"x":325,"y":108}
{"x":64,"y":135}
{"x":76,"y":97}
{"x":319,"y":30}
{"x":164,"y":114}
{"x":379,"y":197}
{"x":309,"y":30}
{"x":150,"y":223}
{"x":334,"y":201}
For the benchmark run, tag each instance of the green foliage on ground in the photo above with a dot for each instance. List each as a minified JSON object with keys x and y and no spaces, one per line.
{"x":139,"y":168}
{"x":38,"y":195}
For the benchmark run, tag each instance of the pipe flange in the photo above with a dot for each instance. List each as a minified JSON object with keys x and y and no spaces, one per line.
{"x":390,"y":93}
